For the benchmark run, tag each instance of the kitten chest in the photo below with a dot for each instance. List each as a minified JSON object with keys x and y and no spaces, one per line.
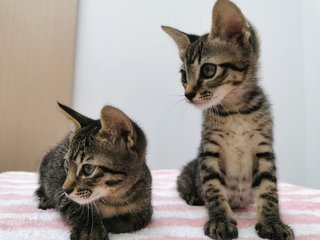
{"x":238,"y":142}
{"x":238,"y":148}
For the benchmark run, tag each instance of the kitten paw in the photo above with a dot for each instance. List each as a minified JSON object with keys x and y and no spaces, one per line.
{"x":221,"y":230}
{"x":44,"y":203}
{"x":275,"y":230}
{"x":193,"y":200}
{"x":88,"y":234}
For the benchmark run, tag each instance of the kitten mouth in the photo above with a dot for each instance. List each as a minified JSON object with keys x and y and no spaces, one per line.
{"x":81,"y":200}
{"x":204,"y":104}
{"x":84,"y":200}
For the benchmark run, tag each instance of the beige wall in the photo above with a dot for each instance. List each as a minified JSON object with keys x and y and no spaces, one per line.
{"x":37,"y":44}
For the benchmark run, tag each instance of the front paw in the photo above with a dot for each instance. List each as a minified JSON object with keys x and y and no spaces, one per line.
{"x":275,"y":230}
{"x":193,"y":200}
{"x":88,"y":234}
{"x":44,"y":203}
{"x":221,"y":230}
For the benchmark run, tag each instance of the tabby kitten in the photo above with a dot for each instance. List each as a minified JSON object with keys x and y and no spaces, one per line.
{"x":97,"y":177}
{"x":236,"y":161}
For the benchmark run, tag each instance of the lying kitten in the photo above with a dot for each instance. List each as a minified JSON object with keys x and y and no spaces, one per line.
{"x":97,"y":178}
{"x":236,"y":162}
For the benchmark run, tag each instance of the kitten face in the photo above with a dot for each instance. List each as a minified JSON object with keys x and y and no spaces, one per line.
{"x":217,"y":67}
{"x":98,"y":170}
{"x":103,"y":158}
{"x":212,"y":70}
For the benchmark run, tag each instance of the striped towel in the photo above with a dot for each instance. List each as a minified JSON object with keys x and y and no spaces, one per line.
{"x":172,"y":220}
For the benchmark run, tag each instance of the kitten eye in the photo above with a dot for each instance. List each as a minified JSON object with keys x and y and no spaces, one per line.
{"x":208,"y":70}
{"x":183,"y":76}
{"x":88,"y":169}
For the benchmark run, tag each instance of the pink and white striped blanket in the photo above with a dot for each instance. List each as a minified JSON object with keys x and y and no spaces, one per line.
{"x":172,"y":220}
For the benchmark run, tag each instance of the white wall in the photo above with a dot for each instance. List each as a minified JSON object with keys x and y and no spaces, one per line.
{"x":311,"y":40}
{"x":124,"y":59}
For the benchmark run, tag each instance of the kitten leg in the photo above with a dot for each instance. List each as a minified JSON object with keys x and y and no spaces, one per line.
{"x":85,"y":221}
{"x":128,"y":222}
{"x":78,"y":233}
{"x":188,"y":187}
{"x":264,"y":183}
{"x":221,"y":224}
{"x":44,"y":202}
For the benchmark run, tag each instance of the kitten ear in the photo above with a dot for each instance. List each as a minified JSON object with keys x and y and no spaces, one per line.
{"x":78,"y":119}
{"x":182,"y":40}
{"x":228,"y":20}
{"x":116,"y":125}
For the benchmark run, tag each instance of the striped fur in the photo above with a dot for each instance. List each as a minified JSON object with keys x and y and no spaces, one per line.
{"x":97,"y":178}
{"x":236,"y":161}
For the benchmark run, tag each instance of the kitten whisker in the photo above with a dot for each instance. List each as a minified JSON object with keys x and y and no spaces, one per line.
{"x":232,"y":122}
{"x":104,"y":229}
{"x":181,"y":111}
{"x":82,"y":207}
{"x":176,"y":102}
{"x":61,"y":195}
{"x":91,"y":208}
{"x":102,"y":200}
{"x":179,"y":101}
{"x":217,"y":117}
{"x":77,"y":213}
{"x":87,"y":214}
{"x":238,"y":112}
{"x":226,"y":110}
{"x":176,"y":95}
{"x":215,"y":113}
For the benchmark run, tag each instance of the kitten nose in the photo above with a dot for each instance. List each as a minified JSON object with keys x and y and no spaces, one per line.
{"x":190,"y":95}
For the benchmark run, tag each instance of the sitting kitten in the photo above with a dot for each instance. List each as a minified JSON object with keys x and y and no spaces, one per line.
{"x":236,"y":161}
{"x":97,"y":178}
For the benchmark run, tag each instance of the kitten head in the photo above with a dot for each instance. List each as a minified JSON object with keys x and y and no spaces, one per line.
{"x":104,"y":157}
{"x":218,"y":67}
